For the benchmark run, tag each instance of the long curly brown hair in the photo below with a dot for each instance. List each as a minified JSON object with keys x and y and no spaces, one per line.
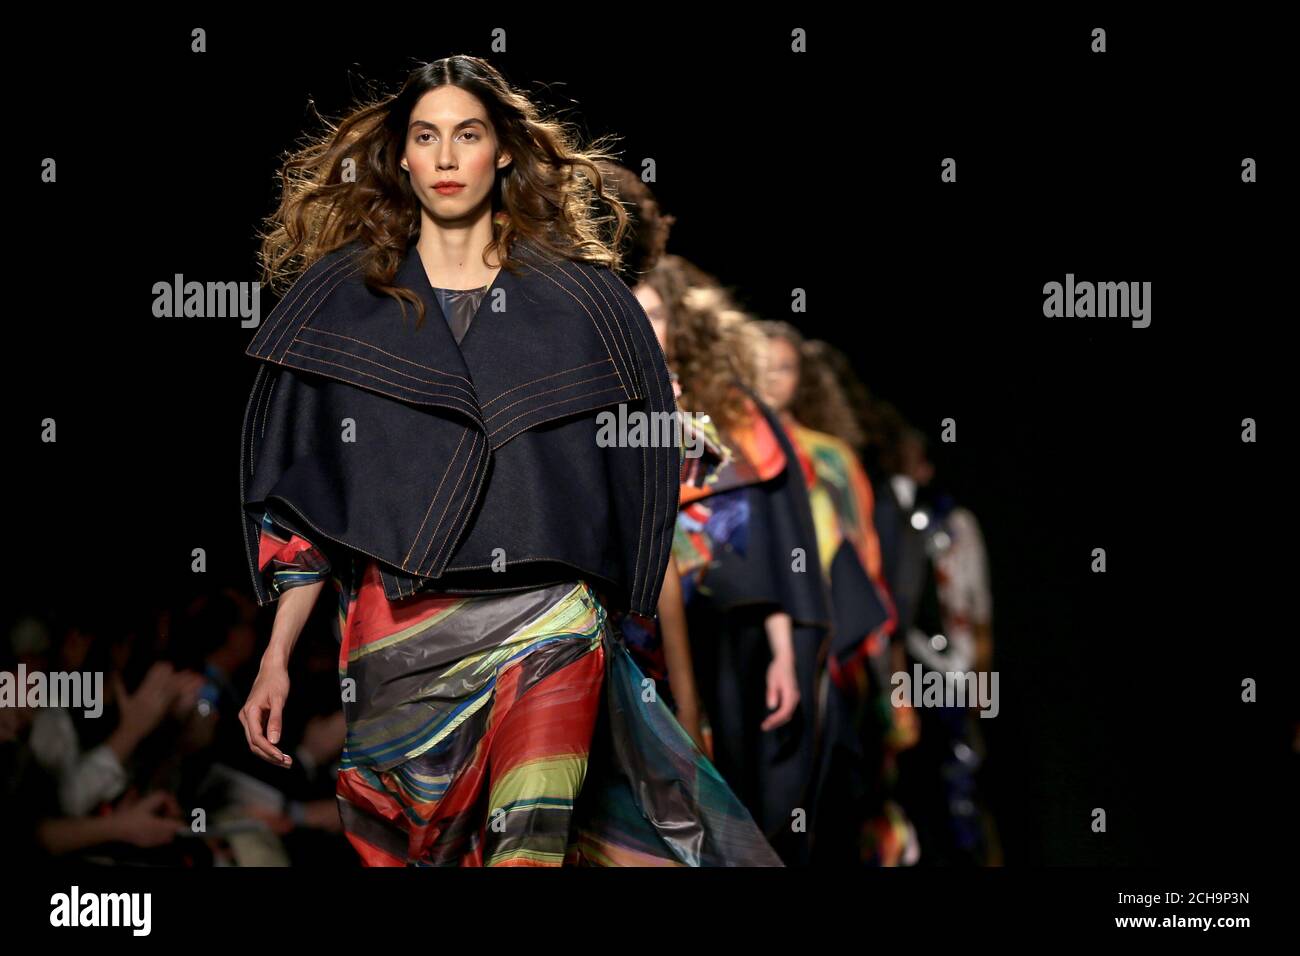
{"x":710,"y":343}
{"x":550,"y":191}
{"x":649,"y":226}
{"x":819,"y":401}
{"x":825,"y":359}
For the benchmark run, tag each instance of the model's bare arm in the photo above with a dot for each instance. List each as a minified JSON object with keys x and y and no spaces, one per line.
{"x":782,"y":682}
{"x":677,"y":652}
{"x":261,"y":714}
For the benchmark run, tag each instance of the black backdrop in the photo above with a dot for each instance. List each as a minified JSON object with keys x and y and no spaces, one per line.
{"x":818,"y":171}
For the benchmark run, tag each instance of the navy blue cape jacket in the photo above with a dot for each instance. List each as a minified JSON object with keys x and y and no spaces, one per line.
{"x":460,"y":455}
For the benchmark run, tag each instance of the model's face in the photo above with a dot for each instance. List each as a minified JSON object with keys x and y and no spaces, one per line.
{"x":780,"y":373}
{"x":451,"y":154}
{"x":657,"y":311}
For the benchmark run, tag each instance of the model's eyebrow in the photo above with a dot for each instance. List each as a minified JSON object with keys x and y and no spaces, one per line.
{"x":425,"y":124}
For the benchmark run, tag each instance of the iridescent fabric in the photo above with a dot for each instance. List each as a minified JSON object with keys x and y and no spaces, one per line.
{"x":460,"y":307}
{"x":511,"y":730}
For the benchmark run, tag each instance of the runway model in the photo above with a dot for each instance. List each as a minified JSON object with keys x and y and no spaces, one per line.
{"x":445,"y":471}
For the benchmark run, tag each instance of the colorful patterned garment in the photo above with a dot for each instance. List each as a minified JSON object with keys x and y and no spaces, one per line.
{"x":700,"y":470}
{"x":742,"y":513}
{"x":864,"y":730}
{"x":509,"y":730}
{"x":842,"y":503}
{"x":831,"y":465}
{"x":713,"y":513}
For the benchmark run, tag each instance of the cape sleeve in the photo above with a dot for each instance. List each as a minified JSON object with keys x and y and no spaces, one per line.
{"x":779,"y":522}
{"x":281,"y":552}
{"x":700,"y":436}
{"x":646,"y":478}
{"x":863,"y":614}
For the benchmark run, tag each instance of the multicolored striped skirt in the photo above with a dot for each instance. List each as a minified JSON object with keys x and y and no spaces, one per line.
{"x":516,"y":730}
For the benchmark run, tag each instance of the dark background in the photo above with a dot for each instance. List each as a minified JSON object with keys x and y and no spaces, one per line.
{"x":818,"y":171}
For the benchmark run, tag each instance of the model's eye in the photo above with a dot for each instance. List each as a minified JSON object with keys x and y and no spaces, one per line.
{"x":470,"y":133}
{"x":419,"y":137}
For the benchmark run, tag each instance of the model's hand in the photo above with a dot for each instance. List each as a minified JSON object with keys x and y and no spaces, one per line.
{"x":261,"y":713}
{"x":782,"y":691}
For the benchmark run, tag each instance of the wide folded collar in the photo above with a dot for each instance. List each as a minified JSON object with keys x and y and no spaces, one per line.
{"x":544,"y":343}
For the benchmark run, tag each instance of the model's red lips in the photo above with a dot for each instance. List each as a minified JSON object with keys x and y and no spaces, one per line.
{"x":447,"y":182}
